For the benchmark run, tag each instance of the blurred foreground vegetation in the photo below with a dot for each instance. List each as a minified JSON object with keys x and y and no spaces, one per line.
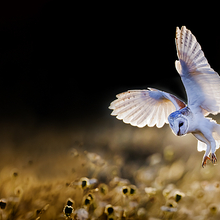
{"x":104,"y":170}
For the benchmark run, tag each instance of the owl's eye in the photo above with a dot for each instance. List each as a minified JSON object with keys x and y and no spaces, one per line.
{"x":180,"y":124}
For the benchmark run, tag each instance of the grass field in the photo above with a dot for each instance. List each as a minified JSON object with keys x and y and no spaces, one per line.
{"x":103,"y":169}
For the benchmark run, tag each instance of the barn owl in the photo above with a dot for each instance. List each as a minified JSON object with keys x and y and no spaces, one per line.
{"x":154,"y":107}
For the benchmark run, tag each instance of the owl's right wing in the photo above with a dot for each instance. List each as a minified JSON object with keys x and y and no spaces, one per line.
{"x":145,"y":107}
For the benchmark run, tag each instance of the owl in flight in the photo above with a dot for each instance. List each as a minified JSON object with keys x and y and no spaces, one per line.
{"x":154,"y":107}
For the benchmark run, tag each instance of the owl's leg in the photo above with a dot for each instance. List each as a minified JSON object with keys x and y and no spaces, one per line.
{"x":212,"y":142}
{"x":213,"y":148}
{"x":201,"y":137}
{"x":216,"y":135}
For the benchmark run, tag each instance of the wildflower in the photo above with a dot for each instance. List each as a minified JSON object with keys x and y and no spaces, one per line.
{"x":2,"y":204}
{"x":68,"y":210}
{"x":70,"y":202}
{"x":125,"y":190}
{"x":178,"y":195}
{"x":133,"y":190}
{"x":171,"y":203}
{"x":85,"y":182}
{"x":109,"y":210}
{"x":88,"y":199}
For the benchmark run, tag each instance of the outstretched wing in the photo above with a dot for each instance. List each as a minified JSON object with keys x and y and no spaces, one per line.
{"x":201,"y":82}
{"x":145,"y":107}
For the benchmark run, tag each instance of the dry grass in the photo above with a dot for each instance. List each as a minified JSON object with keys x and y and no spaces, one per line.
{"x":104,"y":170}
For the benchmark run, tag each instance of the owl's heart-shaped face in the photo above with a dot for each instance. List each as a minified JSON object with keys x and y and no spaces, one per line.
{"x":179,"y":124}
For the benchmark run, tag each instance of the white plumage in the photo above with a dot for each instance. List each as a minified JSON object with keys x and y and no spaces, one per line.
{"x":154,"y":107}
{"x":131,"y":107}
{"x":200,"y":80}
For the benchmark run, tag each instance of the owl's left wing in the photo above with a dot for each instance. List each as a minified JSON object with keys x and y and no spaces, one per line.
{"x":201,"y":82}
{"x":145,"y":107}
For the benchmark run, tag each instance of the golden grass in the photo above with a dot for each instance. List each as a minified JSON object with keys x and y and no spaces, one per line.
{"x":104,"y":170}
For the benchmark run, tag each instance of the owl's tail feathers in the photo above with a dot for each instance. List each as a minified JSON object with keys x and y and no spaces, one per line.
{"x":201,"y":146}
{"x":216,"y":134}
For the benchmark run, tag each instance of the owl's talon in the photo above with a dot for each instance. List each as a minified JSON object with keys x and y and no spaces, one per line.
{"x":205,"y":161}
{"x":214,"y":158}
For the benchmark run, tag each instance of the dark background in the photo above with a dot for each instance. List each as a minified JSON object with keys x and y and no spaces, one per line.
{"x":65,"y":62}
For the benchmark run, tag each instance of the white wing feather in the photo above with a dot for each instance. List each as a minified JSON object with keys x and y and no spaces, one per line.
{"x":201,"y":82}
{"x":145,"y":107}
{"x":201,"y":146}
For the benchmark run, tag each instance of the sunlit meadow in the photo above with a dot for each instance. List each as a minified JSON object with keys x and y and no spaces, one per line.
{"x":104,"y":170}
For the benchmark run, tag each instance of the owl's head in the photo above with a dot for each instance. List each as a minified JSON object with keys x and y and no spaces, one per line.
{"x":179,"y":121}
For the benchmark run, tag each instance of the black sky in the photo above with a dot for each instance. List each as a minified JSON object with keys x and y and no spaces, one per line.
{"x":64,"y":62}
